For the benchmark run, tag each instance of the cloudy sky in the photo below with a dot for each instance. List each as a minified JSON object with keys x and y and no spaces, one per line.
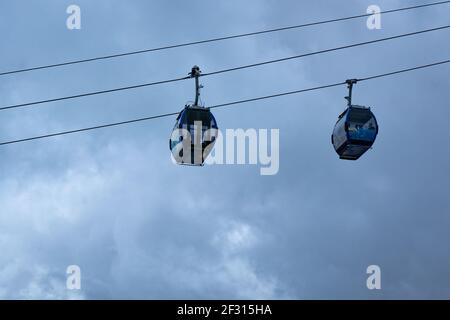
{"x":112,"y":202}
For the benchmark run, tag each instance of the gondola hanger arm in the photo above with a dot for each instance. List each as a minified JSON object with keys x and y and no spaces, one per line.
{"x":196,"y":73}
{"x":350,"y":83}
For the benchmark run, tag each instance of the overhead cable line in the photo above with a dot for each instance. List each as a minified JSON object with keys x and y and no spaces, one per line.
{"x":87,"y":94}
{"x":330,"y":85}
{"x":28,"y":104}
{"x":227,"y":104}
{"x":327,"y":50}
{"x":242,"y":35}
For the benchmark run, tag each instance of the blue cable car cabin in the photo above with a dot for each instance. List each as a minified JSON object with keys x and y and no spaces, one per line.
{"x":355,"y":132}
{"x":193,"y":146}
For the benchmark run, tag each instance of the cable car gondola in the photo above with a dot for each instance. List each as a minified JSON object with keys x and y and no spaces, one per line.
{"x":355,"y":131}
{"x":194,"y":132}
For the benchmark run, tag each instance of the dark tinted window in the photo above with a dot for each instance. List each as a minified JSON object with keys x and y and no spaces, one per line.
{"x":199,"y":115}
{"x":360,"y":116}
